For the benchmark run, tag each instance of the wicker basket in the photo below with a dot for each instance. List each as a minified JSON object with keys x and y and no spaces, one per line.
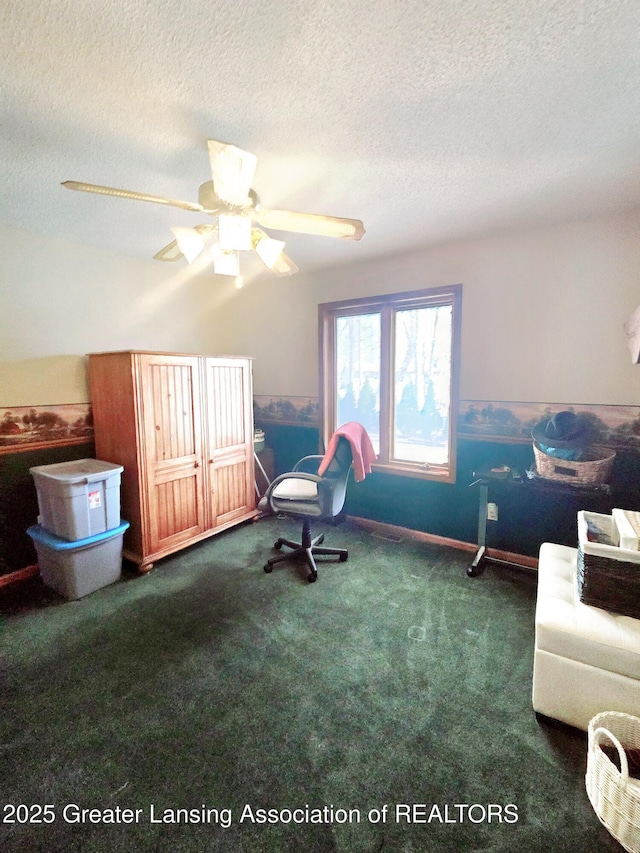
{"x":608,"y":576}
{"x":615,"y":796}
{"x":591,"y":472}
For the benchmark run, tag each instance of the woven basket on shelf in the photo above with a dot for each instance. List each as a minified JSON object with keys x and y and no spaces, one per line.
{"x":614,"y":795}
{"x":591,"y":471}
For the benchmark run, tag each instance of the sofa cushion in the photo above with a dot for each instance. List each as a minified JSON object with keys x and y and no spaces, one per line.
{"x":568,"y":628}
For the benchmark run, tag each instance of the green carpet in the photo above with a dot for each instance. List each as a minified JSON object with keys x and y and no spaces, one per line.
{"x":384,"y":708}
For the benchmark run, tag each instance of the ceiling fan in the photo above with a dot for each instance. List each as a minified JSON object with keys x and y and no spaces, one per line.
{"x":238,"y":217}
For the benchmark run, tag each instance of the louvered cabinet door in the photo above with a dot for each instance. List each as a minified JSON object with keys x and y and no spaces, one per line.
{"x":229,"y":439}
{"x":171,"y":422}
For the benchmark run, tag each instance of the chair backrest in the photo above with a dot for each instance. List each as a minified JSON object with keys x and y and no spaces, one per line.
{"x":338,"y":471}
{"x":342,"y":459}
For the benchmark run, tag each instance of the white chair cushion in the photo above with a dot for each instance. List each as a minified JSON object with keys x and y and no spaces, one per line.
{"x":296,"y":489}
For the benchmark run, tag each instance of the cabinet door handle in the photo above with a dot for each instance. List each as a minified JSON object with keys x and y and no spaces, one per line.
{"x":196,"y":464}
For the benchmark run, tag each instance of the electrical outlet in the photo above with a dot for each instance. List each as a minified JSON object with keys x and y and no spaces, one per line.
{"x":492,"y":512}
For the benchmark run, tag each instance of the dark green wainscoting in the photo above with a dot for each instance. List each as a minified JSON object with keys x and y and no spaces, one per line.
{"x":529,"y":512}
{"x":19,"y":502}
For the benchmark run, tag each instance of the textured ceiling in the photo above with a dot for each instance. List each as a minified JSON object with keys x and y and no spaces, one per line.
{"x":430,"y":120}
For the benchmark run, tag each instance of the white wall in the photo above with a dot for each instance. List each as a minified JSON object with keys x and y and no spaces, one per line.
{"x":59,"y":301}
{"x":543,"y":312}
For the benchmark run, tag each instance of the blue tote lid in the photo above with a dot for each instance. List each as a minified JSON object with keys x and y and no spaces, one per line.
{"x":56,"y":543}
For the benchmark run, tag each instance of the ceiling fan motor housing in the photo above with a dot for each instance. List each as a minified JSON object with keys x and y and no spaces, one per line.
{"x":212,"y":203}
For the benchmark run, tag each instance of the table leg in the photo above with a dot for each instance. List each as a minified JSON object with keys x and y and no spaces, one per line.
{"x":476,"y":567}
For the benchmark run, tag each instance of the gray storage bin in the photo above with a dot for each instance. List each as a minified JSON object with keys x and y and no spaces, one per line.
{"x":75,"y":569}
{"x":78,"y":499}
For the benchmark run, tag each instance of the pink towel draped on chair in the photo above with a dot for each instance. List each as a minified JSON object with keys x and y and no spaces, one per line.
{"x":361,"y":449}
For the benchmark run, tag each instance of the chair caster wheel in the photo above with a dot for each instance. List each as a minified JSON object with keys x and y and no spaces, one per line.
{"x":278,"y":544}
{"x":343,"y":558}
{"x":268,"y":568}
{"x":313,"y":577}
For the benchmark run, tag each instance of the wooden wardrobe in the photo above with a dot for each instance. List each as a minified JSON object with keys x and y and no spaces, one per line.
{"x":182,"y":427}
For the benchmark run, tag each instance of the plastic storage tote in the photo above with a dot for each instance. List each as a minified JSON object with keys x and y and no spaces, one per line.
{"x":78,"y":499}
{"x":75,"y":569}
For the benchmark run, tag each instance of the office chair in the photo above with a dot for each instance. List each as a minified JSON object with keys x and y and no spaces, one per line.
{"x":307,"y":496}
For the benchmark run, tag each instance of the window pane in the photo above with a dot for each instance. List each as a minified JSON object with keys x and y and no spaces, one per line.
{"x":358,"y":372}
{"x":422,"y":384}
{"x":392,"y":363}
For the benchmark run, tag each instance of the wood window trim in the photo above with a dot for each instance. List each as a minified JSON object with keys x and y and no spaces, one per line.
{"x":386,"y":304}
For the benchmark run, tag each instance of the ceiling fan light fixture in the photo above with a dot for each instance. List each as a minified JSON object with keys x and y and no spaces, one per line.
{"x":234,"y":232}
{"x":189,"y":242}
{"x":227,"y":263}
{"x":269,"y":250}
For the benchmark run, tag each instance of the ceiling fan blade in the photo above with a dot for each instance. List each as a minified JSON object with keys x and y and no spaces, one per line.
{"x":284,"y":265}
{"x":310,"y":223}
{"x":171,"y":252}
{"x":113,"y":191}
{"x":232,"y":170}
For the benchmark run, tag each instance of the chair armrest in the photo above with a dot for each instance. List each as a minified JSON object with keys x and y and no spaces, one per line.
{"x":304,"y":462}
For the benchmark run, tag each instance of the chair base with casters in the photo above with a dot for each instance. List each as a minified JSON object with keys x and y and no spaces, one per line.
{"x":305,"y":550}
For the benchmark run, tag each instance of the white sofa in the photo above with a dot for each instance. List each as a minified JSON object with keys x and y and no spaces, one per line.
{"x":586,"y":660}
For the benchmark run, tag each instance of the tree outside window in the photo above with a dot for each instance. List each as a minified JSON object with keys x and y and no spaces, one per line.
{"x":391,"y":363}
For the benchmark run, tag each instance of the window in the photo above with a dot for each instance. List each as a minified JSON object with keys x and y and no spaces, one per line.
{"x":391,"y":363}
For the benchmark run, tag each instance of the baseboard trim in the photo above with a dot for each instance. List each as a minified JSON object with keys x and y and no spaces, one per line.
{"x":20,"y":575}
{"x":380,"y":527}
{"x":383,"y":528}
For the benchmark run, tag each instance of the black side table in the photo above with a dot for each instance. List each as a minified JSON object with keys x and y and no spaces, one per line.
{"x":560,"y":501}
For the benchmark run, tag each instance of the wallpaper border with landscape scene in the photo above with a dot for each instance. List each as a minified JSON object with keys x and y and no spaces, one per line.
{"x":507,"y":422}
{"x":32,"y":427}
